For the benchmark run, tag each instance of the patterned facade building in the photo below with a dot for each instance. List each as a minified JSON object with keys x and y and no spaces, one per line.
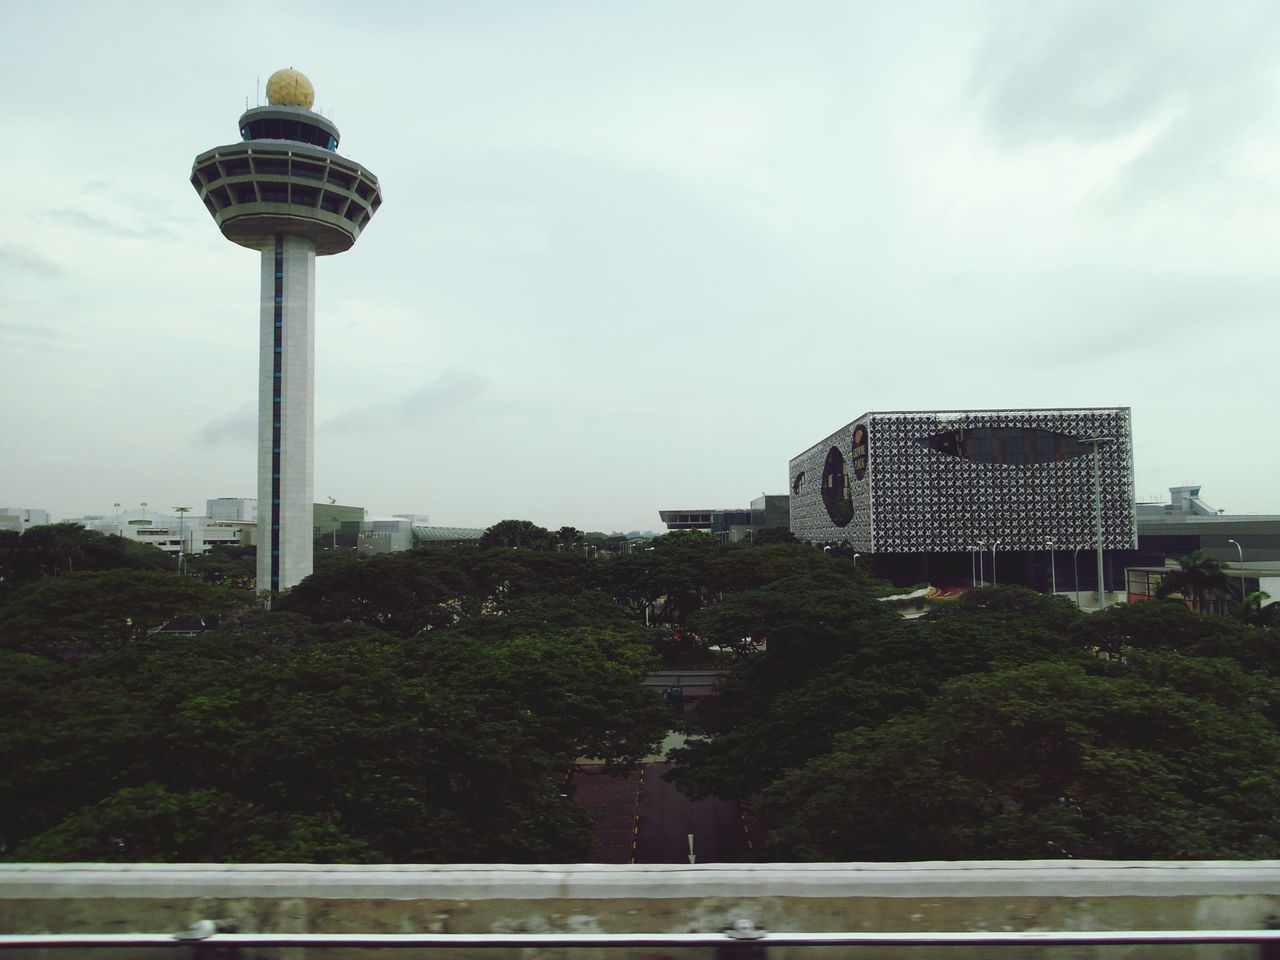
{"x":937,"y":482}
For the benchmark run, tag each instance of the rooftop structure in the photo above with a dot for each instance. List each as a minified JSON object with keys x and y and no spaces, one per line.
{"x":285,"y":192}
{"x":730,"y":524}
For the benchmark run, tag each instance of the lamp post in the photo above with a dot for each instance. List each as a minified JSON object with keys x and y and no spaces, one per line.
{"x":1240,"y":550}
{"x":334,"y":521}
{"x":1097,"y":513}
{"x":182,"y":532}
{"x":973,"y":568}
{"x":855,"y":558}
{"x":1053,"y":571}
{"x":993,"y":561}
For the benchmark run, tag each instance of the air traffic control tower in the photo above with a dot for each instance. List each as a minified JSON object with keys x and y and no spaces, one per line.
{"x":284,"y":191}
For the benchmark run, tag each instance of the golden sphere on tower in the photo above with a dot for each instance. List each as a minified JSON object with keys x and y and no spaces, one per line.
{"x":290,"y":88}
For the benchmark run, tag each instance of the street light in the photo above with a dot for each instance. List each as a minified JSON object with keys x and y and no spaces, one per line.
{"x":993,"y":561}
{"x":1097,"y":512}
{"x":334,"y":520}
{"x":1053,"y":571}
{"x":182,"y":532}
{"x":1240,"y":550}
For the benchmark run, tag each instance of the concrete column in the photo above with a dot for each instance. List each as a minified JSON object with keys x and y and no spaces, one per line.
{"x":286,"y":420}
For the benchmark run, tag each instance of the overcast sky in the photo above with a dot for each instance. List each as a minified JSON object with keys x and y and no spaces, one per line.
{"x":638,"y":255}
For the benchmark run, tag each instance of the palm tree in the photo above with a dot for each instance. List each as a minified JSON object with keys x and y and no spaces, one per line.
{"x":1197,"y":579}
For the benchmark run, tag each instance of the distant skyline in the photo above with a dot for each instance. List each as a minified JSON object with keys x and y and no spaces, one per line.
{"x":638,"y":257}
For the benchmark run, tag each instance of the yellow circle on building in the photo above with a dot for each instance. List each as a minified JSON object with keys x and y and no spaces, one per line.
{"x":290,"y":88}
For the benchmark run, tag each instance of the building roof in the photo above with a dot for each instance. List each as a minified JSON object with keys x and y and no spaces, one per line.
{"x":446,"y":533}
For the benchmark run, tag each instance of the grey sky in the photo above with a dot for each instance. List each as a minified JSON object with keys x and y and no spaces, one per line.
{"x":636,"y":256}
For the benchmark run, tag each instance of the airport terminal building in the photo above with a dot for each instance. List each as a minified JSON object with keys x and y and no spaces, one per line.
{"x":932,"y":493}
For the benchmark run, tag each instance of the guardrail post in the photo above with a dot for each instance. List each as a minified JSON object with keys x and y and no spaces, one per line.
{"x":200,"y":932}
{"x":1270,"y":951}
{"x":748,"y":942}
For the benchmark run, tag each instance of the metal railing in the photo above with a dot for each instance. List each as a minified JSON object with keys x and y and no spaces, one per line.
{"x":744,"y":939}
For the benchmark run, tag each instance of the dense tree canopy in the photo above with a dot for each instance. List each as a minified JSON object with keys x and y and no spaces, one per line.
{"x":54,"y":549}
{"x":93,"y":612}
{"x":1159,"y":759}
{"x":413,"y":707}
{"x":419,"y":706}
{"x":1003,"y":725}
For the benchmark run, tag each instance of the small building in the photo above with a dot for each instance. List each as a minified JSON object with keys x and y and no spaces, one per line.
{"x":727,"y":524}
{"x":770,"y":510}
{"x":20,"y":519}
{"x":1143,"y":583}
{"x":732,"y":524}
{"x":1186,"y":523}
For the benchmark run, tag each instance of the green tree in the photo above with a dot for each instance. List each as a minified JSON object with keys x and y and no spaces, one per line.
{"x":1126,"y":628}
{"x":1160,"y":759}
{"x":517,"y":534}
{"x":229,"y":566}
{"x":771,"y":535}
{"x":1198,"y":579}
{"x":402,"y":593}
{"x":836,"y":659}
{"x":62,"y":548}
{"x":94,"y":612}
{"x":279,"y":736}
{"x":152,"y":824}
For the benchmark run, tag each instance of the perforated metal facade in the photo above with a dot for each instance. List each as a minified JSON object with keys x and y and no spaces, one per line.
{"x":952,"y":481}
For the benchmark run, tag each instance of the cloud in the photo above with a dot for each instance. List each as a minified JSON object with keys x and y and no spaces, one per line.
{"x":1088,"y":72}
{"x":87,"y":222}
{"x":237,"y":429}
{"x":25,"y":260}
{"x":22,"y":336}
{"x":451,"y":389}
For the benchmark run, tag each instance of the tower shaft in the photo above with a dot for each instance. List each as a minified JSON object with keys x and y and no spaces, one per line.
{"x":285,"y":191}
{"x":286,"y":423}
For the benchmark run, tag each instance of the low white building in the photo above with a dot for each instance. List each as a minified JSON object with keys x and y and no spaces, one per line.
{"x":187,"y":533}
{"x":22,"y":518}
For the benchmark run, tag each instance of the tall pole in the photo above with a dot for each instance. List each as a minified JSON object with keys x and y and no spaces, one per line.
{"x":1240,"y":550}
{"x":1053,"y":571}
{"x":1097,"y":514}
{"x":973,"y":568}
{"x":993,"y":562}
{"x":182,"y":532}
{"x":1075,"y":565}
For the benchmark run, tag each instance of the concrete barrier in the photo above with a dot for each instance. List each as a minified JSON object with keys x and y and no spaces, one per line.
{"x":587,"y":898}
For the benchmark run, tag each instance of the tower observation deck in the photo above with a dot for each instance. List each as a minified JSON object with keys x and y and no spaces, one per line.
{"x":284,"y":191}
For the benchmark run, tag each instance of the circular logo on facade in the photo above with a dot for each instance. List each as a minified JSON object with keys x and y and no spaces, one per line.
{"x":835,"y":489}
{"x":859,"y":457}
